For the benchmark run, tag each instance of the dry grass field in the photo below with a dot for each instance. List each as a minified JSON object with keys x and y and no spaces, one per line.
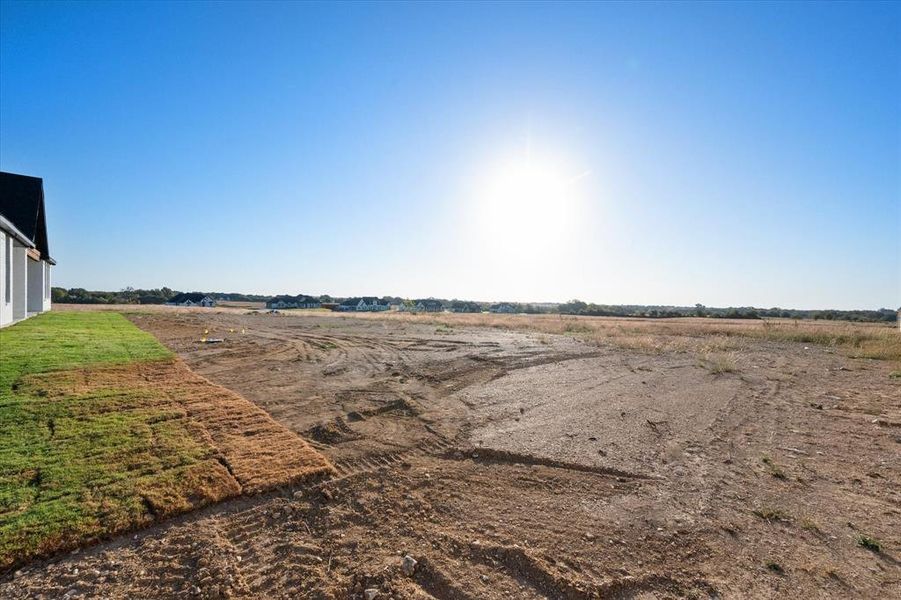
{"x":861,"y":340}
{"x":533,"y":457}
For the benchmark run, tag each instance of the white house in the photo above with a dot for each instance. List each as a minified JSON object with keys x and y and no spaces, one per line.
{"x":281,"y":303}
{"x":365,"y":304}
{"x":192,"y":299}
{"x":25,"y":261}
{"x":300,"y":301}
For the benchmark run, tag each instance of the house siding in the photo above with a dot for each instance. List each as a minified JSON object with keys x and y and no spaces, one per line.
{"x":24,"y":282}
{"x":6,"y":279}
{"x":35,"y":302}
{"x":20,"y":281}
{"x":48,"y":286}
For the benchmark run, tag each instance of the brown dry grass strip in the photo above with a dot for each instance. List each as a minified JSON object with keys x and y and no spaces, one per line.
{"x":258,"y":452}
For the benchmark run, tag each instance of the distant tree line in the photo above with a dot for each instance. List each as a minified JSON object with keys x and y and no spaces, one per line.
{"x":131,"y":295}
{"x":577,"y":307}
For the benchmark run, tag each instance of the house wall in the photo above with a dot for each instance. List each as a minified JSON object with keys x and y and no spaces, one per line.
{"x":48,"y":285}
{"x":6,"y":280}
{"x":36,"y":286}
{"x":20,"y":281}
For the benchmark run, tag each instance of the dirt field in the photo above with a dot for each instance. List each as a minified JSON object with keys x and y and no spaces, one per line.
{"x":512,"y":464}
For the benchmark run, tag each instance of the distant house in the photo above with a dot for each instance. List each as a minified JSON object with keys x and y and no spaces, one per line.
{"x":25,"y":261}
{"x":502,"y":307}
{"x":308,"y":302}
{"x":463,"y":306}
{"x":299,"y":301}
{"x":428,"y":305}
{"x":281,"y":302}
{"x":351,"y":304}
{"x":365,"y":304}
{"x":191,"y":299}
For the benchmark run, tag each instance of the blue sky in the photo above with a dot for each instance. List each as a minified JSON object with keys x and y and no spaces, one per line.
{"x":728,"y":154}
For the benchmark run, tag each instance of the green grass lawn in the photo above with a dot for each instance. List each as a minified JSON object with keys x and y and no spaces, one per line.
{"x":64,"y":340}
{"x":83,"y":456}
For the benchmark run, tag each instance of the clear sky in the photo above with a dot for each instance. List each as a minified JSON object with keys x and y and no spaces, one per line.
{"x":727,"y":154}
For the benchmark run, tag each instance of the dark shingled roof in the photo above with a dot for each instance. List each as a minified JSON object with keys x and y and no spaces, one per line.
{"x":194,"y":297}
{"x":22,"y":203}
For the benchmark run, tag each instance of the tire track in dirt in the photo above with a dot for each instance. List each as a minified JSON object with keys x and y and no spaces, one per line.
{"x":374,"y":462}
{"x":437,"y":584}
{"x":304,"y":346}
{"x":269,"y":553}
{"x":490,"y":455}
{"x":514,"y":571}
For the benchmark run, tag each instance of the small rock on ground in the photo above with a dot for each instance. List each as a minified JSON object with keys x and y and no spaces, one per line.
{"x":408,"y":566}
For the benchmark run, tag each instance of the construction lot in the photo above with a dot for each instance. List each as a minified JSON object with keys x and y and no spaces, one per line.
{"x":533,"y":460}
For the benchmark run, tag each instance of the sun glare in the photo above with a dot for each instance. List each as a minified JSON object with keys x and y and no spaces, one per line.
{"x":528,"y":207}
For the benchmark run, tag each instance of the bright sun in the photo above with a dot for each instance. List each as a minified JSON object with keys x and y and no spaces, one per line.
{"x":527,"y":207}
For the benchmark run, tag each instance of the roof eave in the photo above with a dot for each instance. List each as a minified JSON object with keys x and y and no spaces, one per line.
{"x":6,"y":225}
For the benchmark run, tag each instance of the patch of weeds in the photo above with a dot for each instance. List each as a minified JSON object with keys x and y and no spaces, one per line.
{"x":773,"y":468}
{"x":769,"y":513}
{"x":444,"y":328}
{"x":810,"y":525}
{"x":774,"y":567}
{"x":870,"y":543}
{"x":895,"y":374}
{"x":718,"y":364}
{"x":577,"y":328}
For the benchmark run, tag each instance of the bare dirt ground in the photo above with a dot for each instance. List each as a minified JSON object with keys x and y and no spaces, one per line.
{"x":526,"y":465}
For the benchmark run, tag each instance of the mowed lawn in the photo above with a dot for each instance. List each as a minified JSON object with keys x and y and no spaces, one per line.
{"x":83,"y":455}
